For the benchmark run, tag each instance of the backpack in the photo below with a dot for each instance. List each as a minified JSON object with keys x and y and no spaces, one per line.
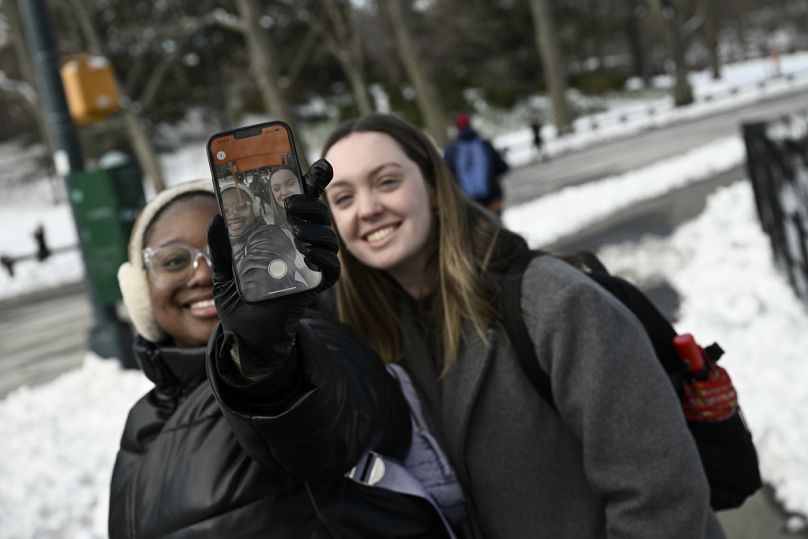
{"x":726,"y":448}
{"x":472,"y":165}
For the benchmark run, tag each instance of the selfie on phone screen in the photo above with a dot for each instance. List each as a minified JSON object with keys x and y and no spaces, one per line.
{"x":255,"y":169}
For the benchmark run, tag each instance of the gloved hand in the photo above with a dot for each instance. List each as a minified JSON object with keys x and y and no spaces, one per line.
{"x":265,"y":331}
{"x":310,"y":220}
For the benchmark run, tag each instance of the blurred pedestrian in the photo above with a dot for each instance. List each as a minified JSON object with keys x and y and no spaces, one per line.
{"x":538,"y":141}
{"x":421,"y":274}
{"x":476,"y":165}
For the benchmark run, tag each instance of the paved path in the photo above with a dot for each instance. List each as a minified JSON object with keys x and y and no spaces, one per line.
{"x":42,"y":335}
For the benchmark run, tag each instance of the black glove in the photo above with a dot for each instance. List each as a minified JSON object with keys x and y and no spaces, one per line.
{"x":310,"y":220}
{"x":265,"y":331}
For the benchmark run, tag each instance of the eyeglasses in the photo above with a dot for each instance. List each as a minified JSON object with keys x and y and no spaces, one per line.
{"x":171,"y":266}
{"x":238,"y":207}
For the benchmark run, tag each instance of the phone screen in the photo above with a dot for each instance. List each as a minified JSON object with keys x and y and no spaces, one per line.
{"x":255,"y":169}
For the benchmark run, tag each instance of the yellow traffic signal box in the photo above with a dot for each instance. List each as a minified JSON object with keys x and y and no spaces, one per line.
{"x":90,"y":88}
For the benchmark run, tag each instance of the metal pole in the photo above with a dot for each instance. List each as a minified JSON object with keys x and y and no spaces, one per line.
{"x":108,"y":337}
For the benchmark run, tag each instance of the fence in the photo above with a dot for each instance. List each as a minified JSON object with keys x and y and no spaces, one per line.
{"x":777,"y":161}
{"x":43,"y":251}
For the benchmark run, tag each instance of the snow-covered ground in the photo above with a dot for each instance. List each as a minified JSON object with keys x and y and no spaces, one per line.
{"x":58,"y":440}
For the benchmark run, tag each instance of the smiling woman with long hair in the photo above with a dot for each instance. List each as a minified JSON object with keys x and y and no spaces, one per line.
{"x":422,"y":269}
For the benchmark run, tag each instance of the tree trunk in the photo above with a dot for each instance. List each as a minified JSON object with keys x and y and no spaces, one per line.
{"x":711,"y":36}
{"x":135,"y":128}
{"x":142,"y":146}
{"x":342,"y":40}
{"x":265,"y":70}
{"x":555,"y":75}
{"x":682,"y":92}
{"x":26,"y":69}
{"x":426,"y":95}
{"x":358,"y":84}
{"x":635,"y":41}
{"x":743,"y":40}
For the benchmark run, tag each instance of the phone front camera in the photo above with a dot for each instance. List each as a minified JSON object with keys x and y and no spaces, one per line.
{"x":220,"y":155}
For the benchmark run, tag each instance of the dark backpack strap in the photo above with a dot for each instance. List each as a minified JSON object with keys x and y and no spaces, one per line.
{"x":514,"y":322}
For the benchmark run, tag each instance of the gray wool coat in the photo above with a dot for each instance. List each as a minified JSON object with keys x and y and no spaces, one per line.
{"x":615,"y":461}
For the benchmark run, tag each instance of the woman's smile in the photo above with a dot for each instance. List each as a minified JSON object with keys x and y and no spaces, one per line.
{"x":376,"y":238}
{"x":202,"y":308}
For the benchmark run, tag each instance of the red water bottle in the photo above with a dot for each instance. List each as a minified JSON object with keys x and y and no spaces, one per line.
{"x":708,"y":394}
{"x":689,"y":352}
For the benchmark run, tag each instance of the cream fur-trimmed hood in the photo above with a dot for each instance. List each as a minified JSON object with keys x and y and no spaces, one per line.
{"x":132,"y":278}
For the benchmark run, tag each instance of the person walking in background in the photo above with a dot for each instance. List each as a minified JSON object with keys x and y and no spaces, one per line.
{"x":538,"y":141}
{"x":421,"y":278}
{"x":476,"y":165}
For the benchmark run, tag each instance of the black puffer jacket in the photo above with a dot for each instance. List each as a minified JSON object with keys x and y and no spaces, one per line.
{"x":185,"y":469}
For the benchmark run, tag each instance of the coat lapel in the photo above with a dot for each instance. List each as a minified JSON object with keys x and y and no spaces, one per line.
{"x":462,"y":386}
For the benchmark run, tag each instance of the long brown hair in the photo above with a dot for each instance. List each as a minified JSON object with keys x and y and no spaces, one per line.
{"x":472,"y":246}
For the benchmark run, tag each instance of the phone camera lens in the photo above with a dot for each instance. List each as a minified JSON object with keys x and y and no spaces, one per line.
{"x":220,"y":155}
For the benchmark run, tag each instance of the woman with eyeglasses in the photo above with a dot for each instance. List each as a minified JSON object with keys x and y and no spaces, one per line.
{"x":239,"y":436}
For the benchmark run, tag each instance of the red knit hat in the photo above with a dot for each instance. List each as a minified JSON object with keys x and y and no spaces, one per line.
{"x":461,"y":121}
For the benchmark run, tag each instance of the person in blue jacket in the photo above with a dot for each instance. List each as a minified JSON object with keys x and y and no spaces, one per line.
{"x":476,"y":165}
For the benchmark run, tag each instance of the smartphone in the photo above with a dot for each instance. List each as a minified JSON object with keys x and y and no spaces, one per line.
{"x":254,"y":169}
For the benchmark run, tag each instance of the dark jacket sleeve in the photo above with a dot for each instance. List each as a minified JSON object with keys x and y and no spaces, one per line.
{"x":449,"y":157}
{"x":498,"y":165}
{"x":315,"y":416}
{"x":614,"y":396}
{"x":145,"y":421}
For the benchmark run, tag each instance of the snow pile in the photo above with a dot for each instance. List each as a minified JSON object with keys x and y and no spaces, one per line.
{"x":732,"y":293}
{"x":571,"y":209}
{"x":57,"y":447}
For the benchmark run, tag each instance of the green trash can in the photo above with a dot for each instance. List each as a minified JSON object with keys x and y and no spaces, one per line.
{"x":106,"y":202}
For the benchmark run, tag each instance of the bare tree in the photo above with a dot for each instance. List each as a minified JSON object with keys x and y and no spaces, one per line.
{"x":264,"y":65}
{"x":710,"y":33}
{"x":682,"y":91}
{"x":636,"y":12}
{"x":135,"y":126}
{"x":549,"y":49}
{"x":343,"y":42}
{"x":427,"y":96}
{"x":25,"y":88}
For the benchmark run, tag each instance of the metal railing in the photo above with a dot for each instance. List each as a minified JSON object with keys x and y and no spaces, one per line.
{"x":777,"y":162}
{"x":43,"y":252}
